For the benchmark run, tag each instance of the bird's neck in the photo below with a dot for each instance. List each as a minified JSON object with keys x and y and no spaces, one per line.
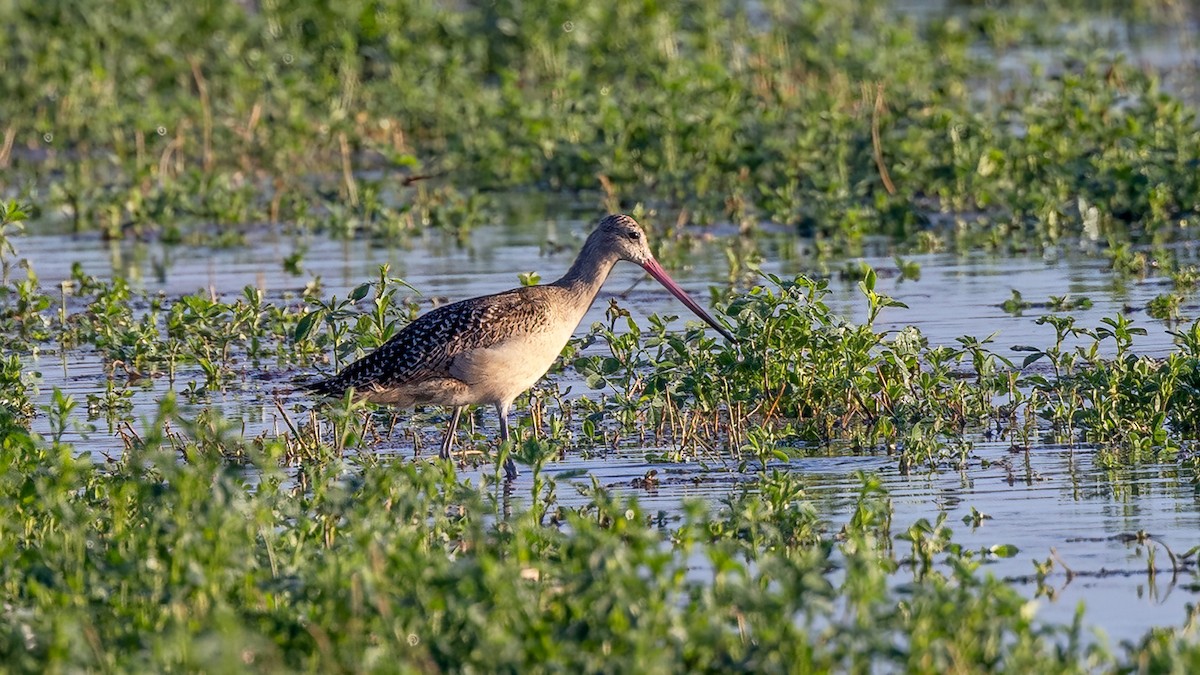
{"x":587,"y":274}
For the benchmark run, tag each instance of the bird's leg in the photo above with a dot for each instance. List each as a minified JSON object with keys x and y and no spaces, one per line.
{"x":510,"y":467}
{"x":449,"y":439}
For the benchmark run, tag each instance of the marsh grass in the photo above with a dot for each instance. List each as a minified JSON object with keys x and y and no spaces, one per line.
{"x":843,"y":122}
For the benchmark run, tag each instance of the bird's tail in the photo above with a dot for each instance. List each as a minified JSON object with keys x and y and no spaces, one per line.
{"x":332,"y":387}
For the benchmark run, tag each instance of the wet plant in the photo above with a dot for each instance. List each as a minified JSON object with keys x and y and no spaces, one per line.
{"x":1119,"y":399}
{"x":1016,"y":304}
{"x":15,"y":402}
{"x":387,"y":314}
{"x":801,"y":373}
{"x":366,"y":558}
{"x":1165,"y":307}
{"x":247,"y":534}
{"x":11,"y":218}
{"x":1066,"y":303}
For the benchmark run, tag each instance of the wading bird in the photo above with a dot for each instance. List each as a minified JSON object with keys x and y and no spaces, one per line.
{"x":487,"y":350}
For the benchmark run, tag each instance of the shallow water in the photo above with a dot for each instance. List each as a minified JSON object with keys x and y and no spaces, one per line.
{"x":1052,"y":498}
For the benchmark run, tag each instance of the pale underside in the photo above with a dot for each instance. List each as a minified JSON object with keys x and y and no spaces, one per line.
{"x":492,"y":375}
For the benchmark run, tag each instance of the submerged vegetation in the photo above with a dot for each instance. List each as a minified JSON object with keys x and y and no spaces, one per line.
{"x":1010,"y":126}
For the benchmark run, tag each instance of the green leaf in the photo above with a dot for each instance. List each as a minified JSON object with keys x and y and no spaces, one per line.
{"x":1038,"y":381}
{"x":305,"y":326}
{"x":1004,"y":550}
{"x":360,"y":292}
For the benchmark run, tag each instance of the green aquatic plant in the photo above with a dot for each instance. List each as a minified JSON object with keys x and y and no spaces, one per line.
{"x":1165,"y":307}
{"x":844,"y":122}
{"x":1016,"y":304}
{"x":177,"y":557}
{"x":16,"y":406}
{"x":803,"y":378}
{"x":59,"y":413}
{"x":1128,"y":262}
{"x":801,"y":374}
{"x":1185,"y":279}
{"x":910,"y":270}
{"x":1134,"y":406}
{"x":1066,"y":303}
{"x":12,"y":217}
{"x":1184,"y":401}
{"x":22,"y":301}
{"x":387,"y":314}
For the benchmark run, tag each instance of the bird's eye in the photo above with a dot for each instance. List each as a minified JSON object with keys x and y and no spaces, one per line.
{"x":633,"y":236}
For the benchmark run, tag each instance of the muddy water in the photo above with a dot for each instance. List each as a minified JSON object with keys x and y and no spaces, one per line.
{"x":1052,"y":498}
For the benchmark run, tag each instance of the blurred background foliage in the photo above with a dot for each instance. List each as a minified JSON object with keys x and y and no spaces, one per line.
{"x":843,"y":119}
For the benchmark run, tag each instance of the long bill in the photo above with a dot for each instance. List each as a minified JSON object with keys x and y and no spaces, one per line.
{"x":661,"y":276}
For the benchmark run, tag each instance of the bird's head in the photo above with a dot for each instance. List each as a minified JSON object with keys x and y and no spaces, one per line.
{"x":622,"y":236}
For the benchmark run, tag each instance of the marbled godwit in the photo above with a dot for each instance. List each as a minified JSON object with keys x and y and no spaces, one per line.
{"x":487,"y":350}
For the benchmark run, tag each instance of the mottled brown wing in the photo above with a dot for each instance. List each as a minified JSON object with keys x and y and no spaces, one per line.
{"x":425,"y":348}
